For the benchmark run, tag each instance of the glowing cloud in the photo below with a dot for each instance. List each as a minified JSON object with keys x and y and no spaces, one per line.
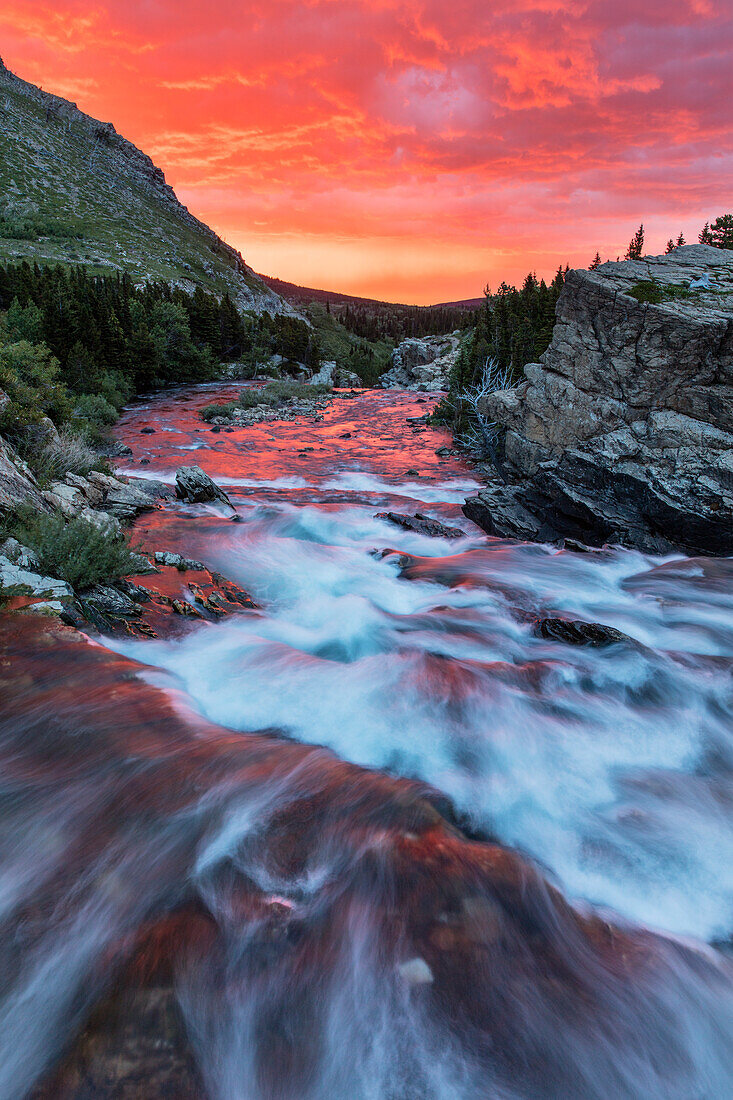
{"x":409,"y":149}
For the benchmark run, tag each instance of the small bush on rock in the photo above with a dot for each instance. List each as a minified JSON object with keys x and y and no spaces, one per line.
{"x":647,"y":291}
{"x":76,"y":551}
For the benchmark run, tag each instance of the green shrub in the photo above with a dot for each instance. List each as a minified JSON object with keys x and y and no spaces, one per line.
{"x":210,"y":411}
{"x":273,"y":393}
{"x":76,"y":551}
{"x":96,"y":409}
{"x":24,"y":322}
{"x":29,"y":375}
{"x":114,"y":387}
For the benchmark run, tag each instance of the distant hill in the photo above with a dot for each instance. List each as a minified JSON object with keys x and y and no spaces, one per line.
{"x":73,"y":191}
{"x":373,"y":320}
{"x":294,"y":293}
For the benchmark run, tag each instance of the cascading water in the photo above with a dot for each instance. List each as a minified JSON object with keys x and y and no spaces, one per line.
{"x":362,"y":945}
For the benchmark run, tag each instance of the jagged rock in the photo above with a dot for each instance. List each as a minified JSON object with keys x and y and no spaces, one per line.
{"x":623,"y":433}
{"x":195,"y":486}
{"x":324,"y":376}
{"x":577,"y":632}
{"x":43,"y":433}
{"x":423,"y":525}
{"x":346,"y":378}
{"x":165,"y":557}
{"x":143,"y":566}
{"x":17,"y":483}
{"x":126,"y":501}
{"x":15,"y":576}
{"x":111,"y":602}
{"x":116,"y":449}
{"x":19,"y":555}
{"x":422,"y":363}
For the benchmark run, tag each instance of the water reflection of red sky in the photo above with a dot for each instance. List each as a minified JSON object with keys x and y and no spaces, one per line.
{"x":381,"y":441}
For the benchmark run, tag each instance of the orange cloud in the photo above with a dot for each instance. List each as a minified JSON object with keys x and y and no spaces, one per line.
{"x":408,"y":148}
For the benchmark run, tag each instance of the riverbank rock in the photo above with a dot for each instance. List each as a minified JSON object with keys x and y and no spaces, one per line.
{"x":196,"y":487}
{"x":15,"y":578}
{"x":623,"y":432}
{"x":17,"y":483}
{"x":329,"y":374}
{"x":423,"y":525}
{"x":422,"y":363}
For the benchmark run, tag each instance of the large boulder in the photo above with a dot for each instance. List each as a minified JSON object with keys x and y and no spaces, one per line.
{"x":195,"y":486}
{"x":623,"y":432}
{"x":422,"y":363}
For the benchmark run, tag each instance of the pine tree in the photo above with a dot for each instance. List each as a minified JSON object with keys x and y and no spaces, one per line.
{"x":670,"y":247}
{"x":680,"y":241}
{"x":705,"y":236}
{"x":595,"y":262}
{"x":721,"y":231}
{"x":636,"y":245}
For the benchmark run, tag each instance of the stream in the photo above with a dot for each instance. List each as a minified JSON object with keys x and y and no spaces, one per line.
{"x":443,"y":858}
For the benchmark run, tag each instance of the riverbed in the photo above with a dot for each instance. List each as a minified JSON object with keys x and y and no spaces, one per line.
{"x":404,"y":666}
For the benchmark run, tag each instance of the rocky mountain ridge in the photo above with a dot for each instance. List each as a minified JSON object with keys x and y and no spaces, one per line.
{"x":623,"y":432}
{"x":73,"y":190}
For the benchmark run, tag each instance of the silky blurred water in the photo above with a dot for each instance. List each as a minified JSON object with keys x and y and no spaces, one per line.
{"x":612,"y":767}
{"x":282,"y":781}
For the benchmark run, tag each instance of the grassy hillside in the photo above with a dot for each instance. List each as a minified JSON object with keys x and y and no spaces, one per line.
{"x":73,"y":191}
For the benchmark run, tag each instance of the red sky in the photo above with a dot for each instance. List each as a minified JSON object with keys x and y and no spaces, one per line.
{"x":408,"y":149}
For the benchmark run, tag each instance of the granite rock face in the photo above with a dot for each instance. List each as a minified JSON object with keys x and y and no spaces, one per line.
{"x":422,"y":363}
{"x":624,"y":431}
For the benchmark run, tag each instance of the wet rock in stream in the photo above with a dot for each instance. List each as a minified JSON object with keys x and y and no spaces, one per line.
{"x":577,"y":632}
{"x":423,"y":525}
{"x":196,"y":487}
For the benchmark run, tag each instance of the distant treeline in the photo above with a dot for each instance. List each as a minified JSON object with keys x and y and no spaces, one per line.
{"x":377,"y":321}
{"x":117,"y":339}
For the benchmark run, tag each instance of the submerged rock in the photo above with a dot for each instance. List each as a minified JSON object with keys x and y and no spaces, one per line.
{"x":623,"y":433}
{"x":577,"y":632}
{"x":423,"y":525}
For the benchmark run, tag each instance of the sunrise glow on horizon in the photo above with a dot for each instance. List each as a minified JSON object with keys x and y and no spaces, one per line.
{"x":410,"y":151}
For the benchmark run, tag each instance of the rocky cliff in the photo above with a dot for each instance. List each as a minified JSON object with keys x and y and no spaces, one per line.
{"x":422,"y":363}
{"x":73,"y":190}
{"x":624,"y":431}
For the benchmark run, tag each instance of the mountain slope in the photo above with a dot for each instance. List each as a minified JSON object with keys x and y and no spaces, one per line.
{"x":72,"y":190}
{"x":305,"y":294}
